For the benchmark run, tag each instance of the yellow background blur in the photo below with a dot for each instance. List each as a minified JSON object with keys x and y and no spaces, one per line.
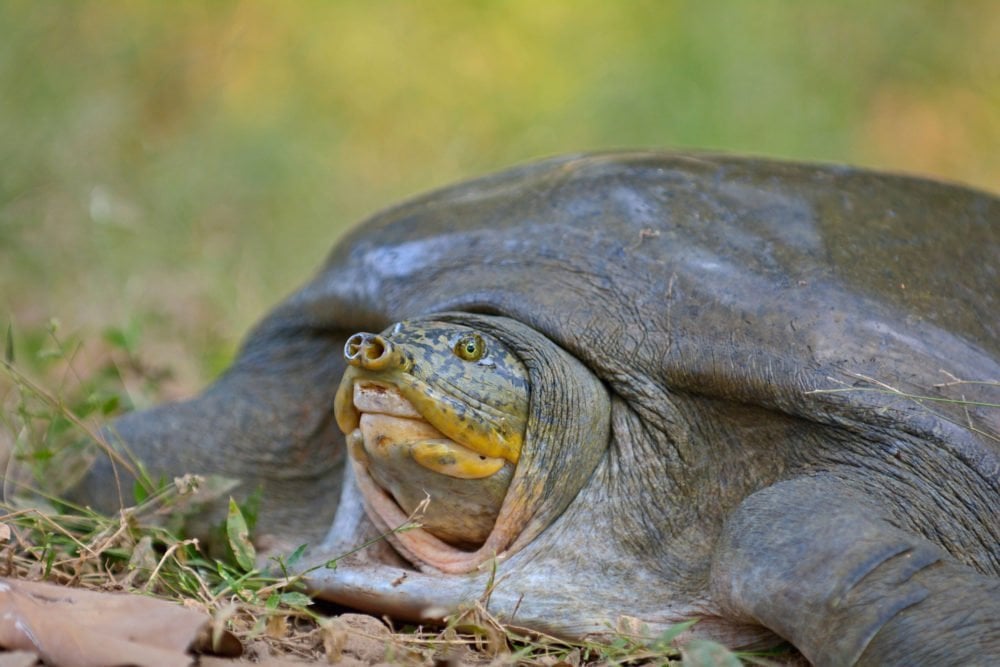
{"x":178,"y":167}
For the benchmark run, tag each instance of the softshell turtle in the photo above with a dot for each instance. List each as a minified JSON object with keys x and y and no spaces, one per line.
{"x":744,"y":391}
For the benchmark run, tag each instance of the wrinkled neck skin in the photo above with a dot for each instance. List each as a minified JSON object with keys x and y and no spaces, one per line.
{"x":634,"y":524}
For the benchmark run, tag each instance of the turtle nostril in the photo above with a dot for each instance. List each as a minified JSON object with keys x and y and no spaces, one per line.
{"x":378,"y":354}
{"x":355,"y":347}
{"x":370,"y":351}
{"x":374,"y":349}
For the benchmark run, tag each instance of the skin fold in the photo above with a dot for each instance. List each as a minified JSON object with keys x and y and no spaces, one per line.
{"x":758,"y":396}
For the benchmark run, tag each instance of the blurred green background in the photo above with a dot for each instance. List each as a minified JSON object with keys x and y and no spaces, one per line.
{"x":173,"y":169}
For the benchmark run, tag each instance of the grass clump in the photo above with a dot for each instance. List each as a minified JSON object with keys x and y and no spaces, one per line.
{"x":50,"y":436}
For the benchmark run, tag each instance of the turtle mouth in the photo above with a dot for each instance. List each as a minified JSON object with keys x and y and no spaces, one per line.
{"x":388,"y":419}
{"x":401,"y":461}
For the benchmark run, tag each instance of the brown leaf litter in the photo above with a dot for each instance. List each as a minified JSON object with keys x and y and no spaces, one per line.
{"x":73,"y":627}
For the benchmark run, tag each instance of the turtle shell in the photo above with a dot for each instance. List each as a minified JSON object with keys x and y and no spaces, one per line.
{"x":769,"y":339}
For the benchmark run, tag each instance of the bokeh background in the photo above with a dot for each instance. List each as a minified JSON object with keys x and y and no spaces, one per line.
{"x":172,"y":169}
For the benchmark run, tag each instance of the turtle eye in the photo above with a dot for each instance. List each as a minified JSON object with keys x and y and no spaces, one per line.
{"x":470,"y":347}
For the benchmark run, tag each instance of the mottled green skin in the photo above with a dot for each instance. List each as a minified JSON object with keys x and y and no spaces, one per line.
{"x":709,"y":312}
{"x":469,"y":401}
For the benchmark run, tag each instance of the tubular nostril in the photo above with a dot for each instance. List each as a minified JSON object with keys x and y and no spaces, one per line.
{"x":371,"y":352}
{"x":378,"y":354}
{"x":375,"y":348}
{"x":355,"y":348}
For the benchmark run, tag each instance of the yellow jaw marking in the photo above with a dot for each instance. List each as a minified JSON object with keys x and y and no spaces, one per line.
{"x":454,"y":460}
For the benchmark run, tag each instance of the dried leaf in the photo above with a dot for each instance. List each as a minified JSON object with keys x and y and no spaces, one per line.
{"x":80,"y":628}
{"x":334,"y":634}
{"x":19,"y":659}
{"x":277,"y":626}
{"x":264,"y":662}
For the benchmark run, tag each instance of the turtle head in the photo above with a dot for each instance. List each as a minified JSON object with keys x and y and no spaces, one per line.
{"x":434,"y":409}
{"x":493,"y":420}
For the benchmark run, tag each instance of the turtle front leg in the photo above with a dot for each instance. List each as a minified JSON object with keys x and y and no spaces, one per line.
{"x":267,"y":424}
{"x":816,"y":564}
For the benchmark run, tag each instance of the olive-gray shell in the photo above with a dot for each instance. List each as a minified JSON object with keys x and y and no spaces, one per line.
{"x":766,"y":333}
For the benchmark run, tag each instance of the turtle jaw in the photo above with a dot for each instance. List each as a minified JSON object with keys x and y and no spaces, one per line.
{"x":399,"y":460}
{"x":369,"y":410}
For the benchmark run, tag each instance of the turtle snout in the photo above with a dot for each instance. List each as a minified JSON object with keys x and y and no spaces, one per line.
{"x":372,"y":352}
